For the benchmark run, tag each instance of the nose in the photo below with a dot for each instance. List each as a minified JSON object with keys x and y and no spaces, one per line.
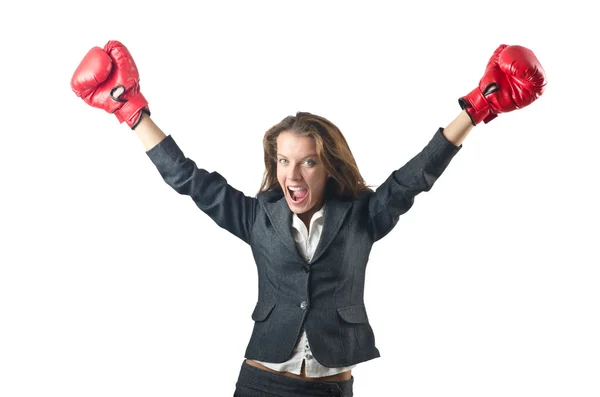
{"x":294,"y":173}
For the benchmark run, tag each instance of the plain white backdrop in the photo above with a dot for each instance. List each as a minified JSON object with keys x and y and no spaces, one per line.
{"x":112,"y":284}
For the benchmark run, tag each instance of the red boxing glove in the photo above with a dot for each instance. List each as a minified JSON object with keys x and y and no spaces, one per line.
{"x":108,"y":79}
{"x":512,"y":80}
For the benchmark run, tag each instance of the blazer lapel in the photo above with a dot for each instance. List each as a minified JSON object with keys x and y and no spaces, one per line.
{"x":281,"y":217}
{"x":335,"y":213}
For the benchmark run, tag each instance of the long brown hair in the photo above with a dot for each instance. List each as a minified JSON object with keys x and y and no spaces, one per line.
{"x":345,"y":180}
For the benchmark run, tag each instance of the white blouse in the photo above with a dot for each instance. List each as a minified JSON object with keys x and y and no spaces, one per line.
{"x":306,"y":241}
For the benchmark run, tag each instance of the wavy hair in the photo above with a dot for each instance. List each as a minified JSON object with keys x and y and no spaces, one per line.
{"x":345,"y":180}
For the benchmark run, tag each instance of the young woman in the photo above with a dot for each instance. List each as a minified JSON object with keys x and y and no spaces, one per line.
{"x":313,"y":222}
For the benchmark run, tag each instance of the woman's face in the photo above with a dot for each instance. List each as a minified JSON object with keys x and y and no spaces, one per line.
{"x":300,"y":173}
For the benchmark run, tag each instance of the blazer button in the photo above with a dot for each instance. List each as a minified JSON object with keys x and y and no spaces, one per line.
{"x":303,"y":305}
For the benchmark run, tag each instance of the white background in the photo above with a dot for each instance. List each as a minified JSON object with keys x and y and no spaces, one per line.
{"x":112,"y":284}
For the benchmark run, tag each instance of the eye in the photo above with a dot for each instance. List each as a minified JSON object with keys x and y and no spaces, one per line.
{"x":310,"y":163}
{"x":282,"y":161}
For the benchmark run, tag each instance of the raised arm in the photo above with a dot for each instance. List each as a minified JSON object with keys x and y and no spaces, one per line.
{"x":148,"y":132}
{"x":107,"y":78}
{"x":458,"y":129}
{"x":227,"y":206}
{"x":513,"y":79}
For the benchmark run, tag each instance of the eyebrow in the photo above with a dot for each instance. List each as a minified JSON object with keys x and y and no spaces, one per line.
{"x":310,"y":155}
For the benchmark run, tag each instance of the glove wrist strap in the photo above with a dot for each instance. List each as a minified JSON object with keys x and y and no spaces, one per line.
{"x":131,"y":111}
{"x":477,"y":107}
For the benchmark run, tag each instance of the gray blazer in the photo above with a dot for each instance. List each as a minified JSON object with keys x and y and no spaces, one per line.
{"x":325,"y":295}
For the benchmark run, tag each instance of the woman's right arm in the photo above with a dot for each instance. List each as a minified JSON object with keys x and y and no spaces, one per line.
{"x":227,"y":206}
{"x":148,"y":132}
{"x":107,"y":78}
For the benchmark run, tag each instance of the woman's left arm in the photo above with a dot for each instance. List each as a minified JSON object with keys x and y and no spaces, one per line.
{"x":458,"y":129}
{"x":513,"y":79}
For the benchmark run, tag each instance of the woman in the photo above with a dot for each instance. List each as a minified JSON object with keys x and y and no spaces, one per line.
{"x":313,"y":223}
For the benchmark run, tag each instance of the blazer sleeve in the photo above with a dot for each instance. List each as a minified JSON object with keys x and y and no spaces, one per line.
{"x":396,"y":195}
{"x":228,"y":207}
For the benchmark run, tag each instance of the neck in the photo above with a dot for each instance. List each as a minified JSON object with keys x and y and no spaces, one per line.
{"x":307,"y":216}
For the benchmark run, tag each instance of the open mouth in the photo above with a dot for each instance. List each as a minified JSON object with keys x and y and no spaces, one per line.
{"x":298,"y":194}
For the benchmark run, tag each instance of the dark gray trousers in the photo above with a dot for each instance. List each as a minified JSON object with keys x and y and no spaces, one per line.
{"x":255,"y":382}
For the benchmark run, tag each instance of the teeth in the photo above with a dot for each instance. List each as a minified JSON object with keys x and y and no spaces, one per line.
{"x":296,"y":189}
